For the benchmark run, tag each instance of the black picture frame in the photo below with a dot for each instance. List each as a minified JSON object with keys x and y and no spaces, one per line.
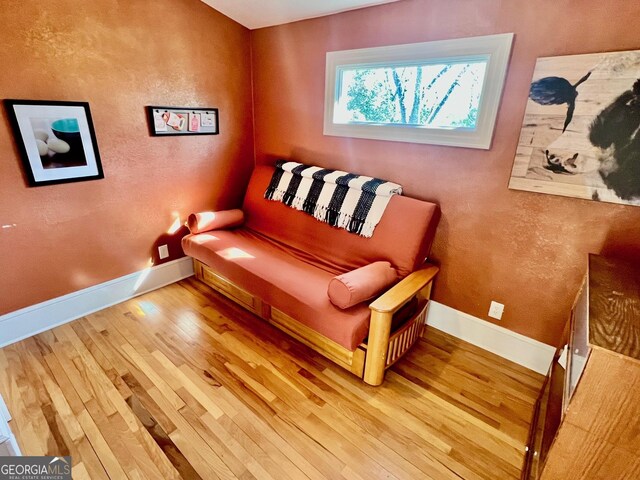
{"x":56,"y":140}
{"x":161,"y":118}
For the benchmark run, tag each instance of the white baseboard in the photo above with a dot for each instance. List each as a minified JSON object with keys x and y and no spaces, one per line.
{"x":43,"y":316}
{"x":519,"y":349}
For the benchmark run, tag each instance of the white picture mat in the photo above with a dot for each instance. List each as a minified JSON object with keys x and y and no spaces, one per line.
{"x":24,"y":114}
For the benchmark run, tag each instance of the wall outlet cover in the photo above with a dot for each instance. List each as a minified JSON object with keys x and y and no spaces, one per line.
{"x":495,"y":310}
{"x":163,"y":251}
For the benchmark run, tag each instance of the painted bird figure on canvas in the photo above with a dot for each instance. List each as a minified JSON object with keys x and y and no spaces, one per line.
{"x":556,"y":91}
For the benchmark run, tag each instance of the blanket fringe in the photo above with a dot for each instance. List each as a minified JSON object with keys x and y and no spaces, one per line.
{"x":298,"y":203}
{"x":278,"y":195}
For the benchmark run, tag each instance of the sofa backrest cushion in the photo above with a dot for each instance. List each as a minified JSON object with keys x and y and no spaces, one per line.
{"x":403,"y":237}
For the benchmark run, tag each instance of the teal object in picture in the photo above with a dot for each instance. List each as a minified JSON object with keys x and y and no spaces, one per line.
{"x":66,"y":125}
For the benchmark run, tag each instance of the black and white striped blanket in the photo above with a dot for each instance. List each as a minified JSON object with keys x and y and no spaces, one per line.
{"x":353,"y":202}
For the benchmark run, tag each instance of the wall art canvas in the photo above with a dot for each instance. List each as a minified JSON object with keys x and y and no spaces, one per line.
{"x":56,"y":140}
{"x":581,"y":131}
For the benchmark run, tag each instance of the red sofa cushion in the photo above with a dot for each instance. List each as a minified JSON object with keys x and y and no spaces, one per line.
{"x":267,"y":270}
{"x":361,"y":284}
{"x":206,"y":221}
{"x":403,"y":237}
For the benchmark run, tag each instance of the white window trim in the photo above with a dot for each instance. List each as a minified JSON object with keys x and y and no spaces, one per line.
{"x":497,"y":48}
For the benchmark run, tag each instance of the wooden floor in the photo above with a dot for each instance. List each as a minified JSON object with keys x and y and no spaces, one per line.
{"x":181,"y":383}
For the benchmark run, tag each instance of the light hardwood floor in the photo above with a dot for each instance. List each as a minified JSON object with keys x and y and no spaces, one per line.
{"x":182,"y":383}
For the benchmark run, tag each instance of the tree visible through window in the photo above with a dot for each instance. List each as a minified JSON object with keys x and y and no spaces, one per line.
{"x":443,"y":95}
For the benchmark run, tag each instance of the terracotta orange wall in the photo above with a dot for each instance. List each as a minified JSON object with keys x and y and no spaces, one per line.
{"x":119,"y":56}
{"x":522,"y":249}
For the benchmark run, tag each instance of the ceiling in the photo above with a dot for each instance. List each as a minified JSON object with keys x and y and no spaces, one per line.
{"x":265,"y":13}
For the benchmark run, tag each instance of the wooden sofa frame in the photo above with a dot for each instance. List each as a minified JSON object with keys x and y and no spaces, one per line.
{"x":372,"y":357}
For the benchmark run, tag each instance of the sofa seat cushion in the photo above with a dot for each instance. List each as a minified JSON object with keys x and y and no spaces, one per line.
{"x":266,"y":269}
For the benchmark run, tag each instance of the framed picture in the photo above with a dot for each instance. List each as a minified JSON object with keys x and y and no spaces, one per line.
{"x":56,"y":141}
{"x":167,"y":121}
{"x":581,"y":131}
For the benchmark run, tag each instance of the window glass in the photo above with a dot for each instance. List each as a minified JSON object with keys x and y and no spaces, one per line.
{"x":442,"y":95}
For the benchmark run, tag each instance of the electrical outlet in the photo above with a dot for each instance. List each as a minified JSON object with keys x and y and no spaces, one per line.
{"x":495,"y":310}
{"x":163,"y":251}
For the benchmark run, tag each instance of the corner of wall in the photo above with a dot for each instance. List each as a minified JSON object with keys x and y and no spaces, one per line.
{"x":253,"y":97}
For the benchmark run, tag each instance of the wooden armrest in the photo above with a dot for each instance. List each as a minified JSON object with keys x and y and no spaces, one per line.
{"x":397,"y":296}
{"x":382,"y":310}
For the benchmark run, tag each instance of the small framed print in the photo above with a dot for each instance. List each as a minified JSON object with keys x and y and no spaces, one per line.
{"x":56,"y":141}
{"x":170,"y":121}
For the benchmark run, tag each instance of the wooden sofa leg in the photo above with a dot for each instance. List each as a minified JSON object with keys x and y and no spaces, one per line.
{"x":377,"y":346}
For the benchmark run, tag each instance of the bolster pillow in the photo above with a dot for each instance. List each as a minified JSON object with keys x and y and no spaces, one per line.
{"x":358,"y":285}
{"x":205,"y":221}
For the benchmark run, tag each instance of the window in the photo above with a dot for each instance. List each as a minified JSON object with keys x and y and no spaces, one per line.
{"x":444,"y":92}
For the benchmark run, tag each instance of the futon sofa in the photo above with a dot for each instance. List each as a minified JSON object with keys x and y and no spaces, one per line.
{"x":282,"y":265}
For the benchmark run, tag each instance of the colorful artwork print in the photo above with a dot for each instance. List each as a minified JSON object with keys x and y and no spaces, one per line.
{"x":58,"y":141}
{"x":581,"y":131}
